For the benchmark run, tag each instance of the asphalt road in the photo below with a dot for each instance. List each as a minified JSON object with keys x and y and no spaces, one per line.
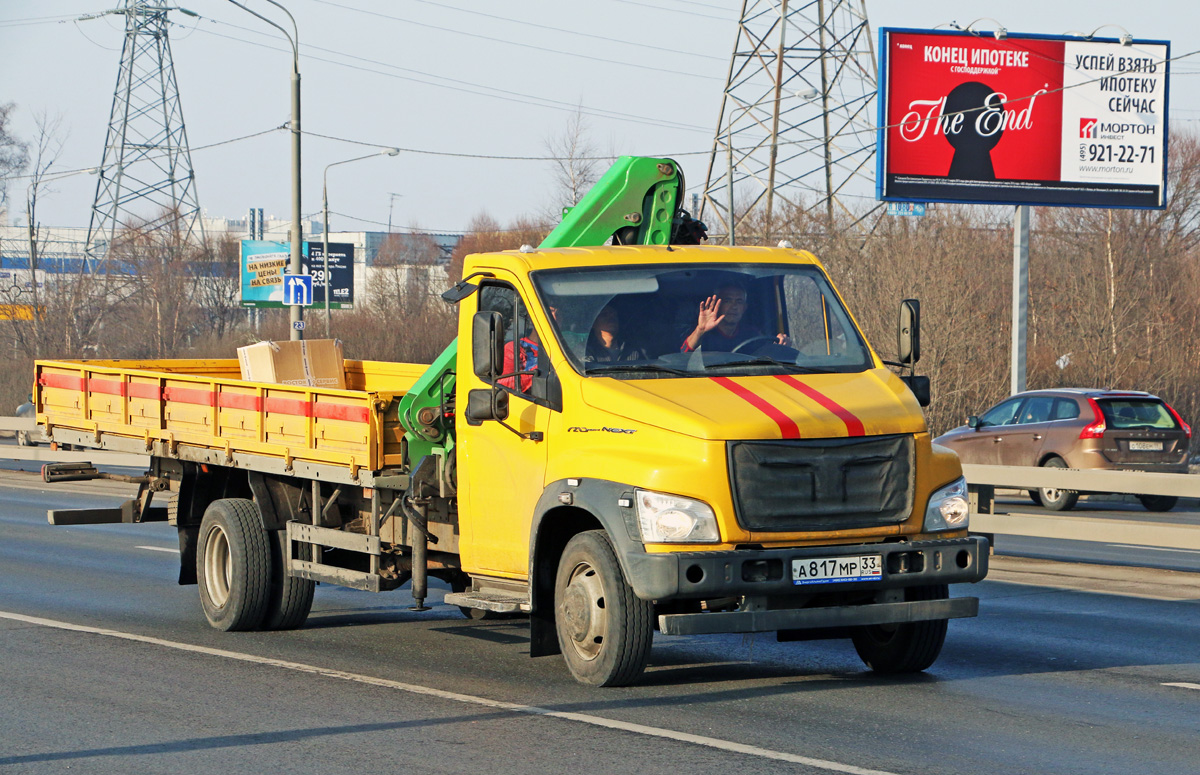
{"x":109,"y":666}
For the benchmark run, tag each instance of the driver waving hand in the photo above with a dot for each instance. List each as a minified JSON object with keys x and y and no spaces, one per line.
{"x":719,"y":325}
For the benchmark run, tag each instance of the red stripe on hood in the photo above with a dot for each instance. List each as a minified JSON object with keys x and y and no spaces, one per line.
{"x":854,"y":426}
{"x":787,"y":426}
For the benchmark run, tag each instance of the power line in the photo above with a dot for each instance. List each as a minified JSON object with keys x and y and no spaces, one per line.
{"x":513,"y":42}
{"x":523,"y":23}
{"x":496,"y":93}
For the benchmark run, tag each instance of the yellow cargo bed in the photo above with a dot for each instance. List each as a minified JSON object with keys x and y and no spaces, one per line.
{"x":202,"y":410}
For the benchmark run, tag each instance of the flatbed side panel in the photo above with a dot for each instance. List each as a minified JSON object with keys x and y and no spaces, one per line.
{"x":168,"y":404}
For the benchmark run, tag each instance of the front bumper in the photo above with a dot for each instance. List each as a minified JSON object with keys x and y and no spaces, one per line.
{"x":826,"y":617}
{"x":759,"y":572}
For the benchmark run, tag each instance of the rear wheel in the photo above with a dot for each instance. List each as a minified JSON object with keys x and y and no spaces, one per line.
{"x":233,"y":565}
{"x":1158,"y":502}
{"x":1036,"y":497}
{"x":604,"y":629}
{"x":904,"y":648}
{"x":291,"y":597}
{"x":1054,"y":498}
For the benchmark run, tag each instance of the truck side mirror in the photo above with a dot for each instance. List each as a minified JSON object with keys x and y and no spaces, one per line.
{"x":486,"y":404}
{"x":919,"y":385}
{"x":487,"y":349}
{"x":909,"y":332}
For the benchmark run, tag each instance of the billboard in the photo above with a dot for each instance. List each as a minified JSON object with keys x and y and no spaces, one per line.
{"x":265,"y":262}
{"x":1023,"y":119}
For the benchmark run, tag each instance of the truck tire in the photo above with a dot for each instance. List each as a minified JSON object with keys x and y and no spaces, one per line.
{"x":1054,"y":498}
{"x":904,"y":648}
{"x":233,"y":565}
{"x":291,"y":597}
{"x":604,"y":629}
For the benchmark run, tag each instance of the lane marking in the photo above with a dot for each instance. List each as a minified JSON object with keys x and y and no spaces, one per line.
{"x":530,"y":710}
{"x":1184,"y":686}
{"x":158,"y":549}
{"x":787,"y":426}
{"x":854,"y":426}
{"x":1153,"y":548}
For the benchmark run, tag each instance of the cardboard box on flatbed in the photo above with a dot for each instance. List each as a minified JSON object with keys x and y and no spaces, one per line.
{"x":306,"y":363}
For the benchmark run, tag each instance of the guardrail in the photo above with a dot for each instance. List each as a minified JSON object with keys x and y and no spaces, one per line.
{"x":43,"y":451}
{"x":983,"y":481}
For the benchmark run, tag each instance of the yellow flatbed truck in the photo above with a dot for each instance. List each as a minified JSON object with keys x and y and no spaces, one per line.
{"x":580,"y":458}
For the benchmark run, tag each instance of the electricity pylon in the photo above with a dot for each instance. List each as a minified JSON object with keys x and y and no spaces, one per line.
{"x":146,"y":179}
{"x":798,"y":113}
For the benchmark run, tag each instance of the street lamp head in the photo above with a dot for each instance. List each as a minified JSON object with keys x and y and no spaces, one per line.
{"x":390,"y":152}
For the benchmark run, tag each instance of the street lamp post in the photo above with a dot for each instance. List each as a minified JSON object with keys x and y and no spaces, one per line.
{"x":325,"y":219}
{"x":297,"y":311}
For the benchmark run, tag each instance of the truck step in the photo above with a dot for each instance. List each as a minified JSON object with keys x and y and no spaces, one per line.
{"x":490,"y":601}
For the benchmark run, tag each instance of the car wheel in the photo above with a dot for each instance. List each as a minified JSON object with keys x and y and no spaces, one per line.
{"x":1158,"y":502}
{"x":1036,"y":497}
{"x":1054,"y":498}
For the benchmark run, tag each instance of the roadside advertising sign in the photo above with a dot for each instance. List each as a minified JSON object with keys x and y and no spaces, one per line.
{"x":341,"y":273}
{"x":265,"y":262}
{"x":1023,"y":119}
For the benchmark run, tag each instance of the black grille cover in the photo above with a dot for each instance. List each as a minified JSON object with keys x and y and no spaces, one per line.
{"x":822,"y":484}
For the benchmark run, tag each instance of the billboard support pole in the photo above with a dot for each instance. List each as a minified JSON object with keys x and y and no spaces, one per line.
{"x":1020,"y":308}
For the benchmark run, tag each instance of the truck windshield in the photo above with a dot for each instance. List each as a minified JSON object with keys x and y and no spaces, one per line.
{"x":644,"y":322}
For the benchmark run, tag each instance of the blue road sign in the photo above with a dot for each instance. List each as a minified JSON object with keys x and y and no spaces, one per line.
{"x":298,"y":289}
{"x":906,"y":208}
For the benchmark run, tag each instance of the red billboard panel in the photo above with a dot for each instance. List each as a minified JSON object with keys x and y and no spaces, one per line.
{"x":1022,"y":119}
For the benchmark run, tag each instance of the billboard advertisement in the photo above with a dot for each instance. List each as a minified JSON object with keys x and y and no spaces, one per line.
{"x":265,"y":262}
{"x":1023,"y":119}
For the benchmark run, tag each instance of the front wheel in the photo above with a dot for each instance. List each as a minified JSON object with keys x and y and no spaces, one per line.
{"x":904,"y":648}
{"x":233,"y":565}
{"x":1054,"y":498}
{"x":604,"y":629}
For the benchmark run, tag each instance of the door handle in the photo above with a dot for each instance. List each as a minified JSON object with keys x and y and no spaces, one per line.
{"x":997,"y":439}
{"x":1037,"y":437}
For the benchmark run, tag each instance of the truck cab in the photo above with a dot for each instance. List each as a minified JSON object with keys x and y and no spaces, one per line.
{"x":775,"y":478}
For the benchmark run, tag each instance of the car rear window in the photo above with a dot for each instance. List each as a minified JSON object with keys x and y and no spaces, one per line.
{"x":1123,"y":413}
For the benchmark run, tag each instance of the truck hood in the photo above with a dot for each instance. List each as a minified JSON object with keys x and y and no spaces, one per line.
{"x":870,"y":403}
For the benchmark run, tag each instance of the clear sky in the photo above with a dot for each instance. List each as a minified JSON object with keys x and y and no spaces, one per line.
{"x":451,"y":77}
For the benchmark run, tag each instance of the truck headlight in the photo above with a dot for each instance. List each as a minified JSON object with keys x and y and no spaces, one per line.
{"x":671,"y":519}
{"x":948,"y":508}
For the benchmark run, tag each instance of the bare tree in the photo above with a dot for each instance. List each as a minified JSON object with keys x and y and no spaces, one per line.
{"x":485,"y":235}
{"x":14,"y":153}
{"x":575,"y":162}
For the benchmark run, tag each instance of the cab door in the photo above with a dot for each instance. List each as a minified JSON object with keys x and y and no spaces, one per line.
{"x":502,"y":463}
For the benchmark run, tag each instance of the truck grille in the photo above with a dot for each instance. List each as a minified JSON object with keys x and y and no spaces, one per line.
{"x":821,"y":484}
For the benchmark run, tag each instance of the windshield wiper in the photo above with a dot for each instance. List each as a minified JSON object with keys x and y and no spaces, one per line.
{"x":612,"y":367}
{"x":764,"y":361}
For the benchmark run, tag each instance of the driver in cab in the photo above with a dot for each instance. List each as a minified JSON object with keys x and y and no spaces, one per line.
{"x":719,"y":325}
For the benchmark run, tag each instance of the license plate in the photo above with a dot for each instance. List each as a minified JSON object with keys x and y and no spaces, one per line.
{"x":826,"y":570}
{"x":1145,"y":446}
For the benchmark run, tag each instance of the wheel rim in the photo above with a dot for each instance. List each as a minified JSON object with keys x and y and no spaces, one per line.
{"x":218,"y":566}
{"x":584,"y":614}
{"x":1052,"y":494}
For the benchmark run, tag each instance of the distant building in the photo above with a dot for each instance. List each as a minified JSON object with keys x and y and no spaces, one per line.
{"x":62,"y":249}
